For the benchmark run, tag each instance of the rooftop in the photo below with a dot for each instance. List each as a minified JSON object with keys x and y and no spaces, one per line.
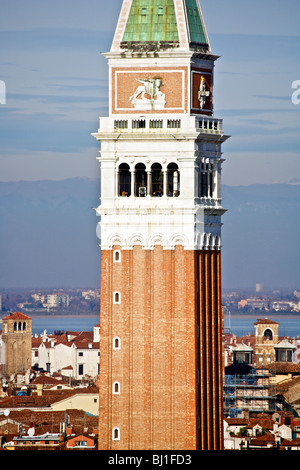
{"x":151,"y":20}
{"x":152,"y":25}
{"x":16,"y":316}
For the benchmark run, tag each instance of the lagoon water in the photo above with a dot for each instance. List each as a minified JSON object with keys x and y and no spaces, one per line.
{"x":53,"y":323}
{"x":240,"y":325}
{"x":64,"y":323}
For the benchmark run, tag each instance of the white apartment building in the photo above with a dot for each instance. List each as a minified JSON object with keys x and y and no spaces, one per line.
{"x":90,"y":294}
{"x":76,"y":356}
{"x":52,"y":300}
{"x":55,"y":300}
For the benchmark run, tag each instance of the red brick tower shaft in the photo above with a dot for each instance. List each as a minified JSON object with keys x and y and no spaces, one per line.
{"x":169,"y":358}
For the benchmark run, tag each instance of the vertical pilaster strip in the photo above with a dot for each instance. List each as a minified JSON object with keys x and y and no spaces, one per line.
{"x":109,"y":306}
{"x":220,"y":349}
{"x":171,"y":255}
{"x":152,"y":272}
{"x":203,"y":348}
{"x":214,"y":347}
{"x":217,"y":348}
{"x":105,"y":417}
{"x":130,"y":322}
{"x":209,"y":351}
{"x":197,"y":346}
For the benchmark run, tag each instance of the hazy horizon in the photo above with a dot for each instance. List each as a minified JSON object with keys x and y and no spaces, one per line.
{"x":48,"y":235}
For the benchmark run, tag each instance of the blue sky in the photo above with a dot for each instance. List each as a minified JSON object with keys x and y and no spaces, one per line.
{"x":56,"y":86}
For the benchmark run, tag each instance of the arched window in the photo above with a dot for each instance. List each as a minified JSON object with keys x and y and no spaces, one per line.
{"x":157,"y":180}
{"x":117,"y":256}
{"x":116,"y":388}
{"x":140,"y":180}
{"x":117,"y":298}
{"x":173,"y":180}
{"x":24,"y":326}
{"x":124,"y":180}
{"x":116,"y":434}
{"x":268,"y":334}
{"x":20,"y":326}
{"x":15,"y":326}
{"x":116,"y":343}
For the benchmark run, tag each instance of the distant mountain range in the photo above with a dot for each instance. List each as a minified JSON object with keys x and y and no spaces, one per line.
{"x":48,"y":235}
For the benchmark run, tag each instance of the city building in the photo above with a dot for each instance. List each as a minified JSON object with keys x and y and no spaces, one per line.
{"x":52,"y":301}
{"x":261,"y":375}
{"x":90,"y":294}
{"x":49,"y":440}
{"x":47,"y":398}
{"x":264,"y":432}
{"x":247,"y":391}
{"x":266,"y":337}
{"x":161,"y":348}
{"x":76,"y":354}
{"x":81,"y":442}
{"x":57,"y":300}
{"x":48,"y":430}
{"x":15,"y":343}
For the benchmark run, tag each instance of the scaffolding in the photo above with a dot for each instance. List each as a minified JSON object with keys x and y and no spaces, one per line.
{"x":248,"y":393}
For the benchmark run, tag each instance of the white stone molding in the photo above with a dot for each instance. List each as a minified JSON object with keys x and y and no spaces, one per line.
{"x":115,"y":240}
{"x":177,"y":239}
{"x":157,"y":239}
{"x":202,"y":241}
{"x":136,"y":239}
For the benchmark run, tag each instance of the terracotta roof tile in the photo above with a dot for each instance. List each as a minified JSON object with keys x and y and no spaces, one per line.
{"x":49,"y":421}
{"x":267,"y":438}
{"x":45,"y":380}
{"x":16,"y":316}
{"x":86,"y":345}
{"x":45,"y":400}
{"x":36,"y":342}
{"x":262,"y":321}
{"x":263,"y":422}
{"x":284,"y":367}
{"x":236,"y":421}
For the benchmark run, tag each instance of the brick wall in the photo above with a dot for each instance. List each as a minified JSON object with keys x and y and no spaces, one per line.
{"x":17,"y":343}
{"x":175,"y":87}
{"x":160,"y":355}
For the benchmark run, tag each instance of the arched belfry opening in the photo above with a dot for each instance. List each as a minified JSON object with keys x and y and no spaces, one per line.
{"x":140,"y":175}
{"x":124,"y":180}
{"x":268,"y":334}
{"x":157,"y":180}
{"x":173,"y":180}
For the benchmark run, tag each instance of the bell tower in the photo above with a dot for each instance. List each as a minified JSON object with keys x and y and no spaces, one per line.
{"x":161,"y":321}
{"x":17,"y":343}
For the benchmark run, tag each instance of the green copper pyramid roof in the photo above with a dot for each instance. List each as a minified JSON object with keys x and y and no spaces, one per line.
{"x":195,"y":23}
{"x":151,"y":21}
